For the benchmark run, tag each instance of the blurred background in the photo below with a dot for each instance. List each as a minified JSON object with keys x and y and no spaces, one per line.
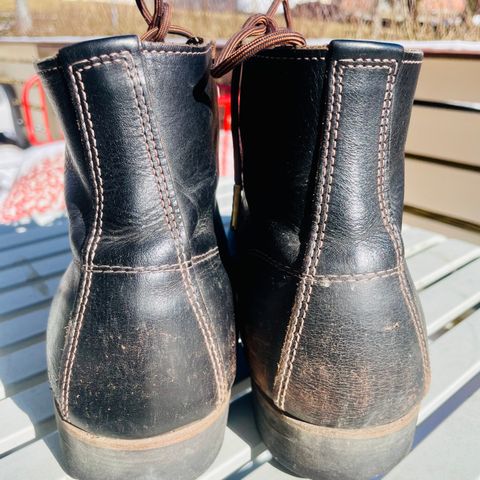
{"x":394,"y":19}
{"x":443,"y":148}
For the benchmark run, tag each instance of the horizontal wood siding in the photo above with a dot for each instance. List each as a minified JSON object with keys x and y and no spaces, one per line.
{"x":445,"y":190}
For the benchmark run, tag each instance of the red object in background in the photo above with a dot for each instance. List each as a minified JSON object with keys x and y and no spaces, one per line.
{"x":30,"y":84}
{"x":224,"y":103}
{"x":37,"y":192}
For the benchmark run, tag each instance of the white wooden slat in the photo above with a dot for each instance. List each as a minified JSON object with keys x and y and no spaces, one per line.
{"x":455,"y":359}
{"x":440,"y":260}
{"x":13,"y":276}
{"x":28,"y":252}
{"x":224,"y":197}
{"x":36,"y":461}
{"x":225,"y":186}
{"x":224,"y":200}
{"x":225,"y":212}
{"x":29,"y":295}
{"x":417,"y":239}
{"x":240,"y":389}
{"x":21,"y":365}
{"x":450,"y":452}
{"x":21,"y":415}
{"x":270,"y":471}
{"x":32,"y":235}
{"x":23,"y":327}
{"x":242,"y":441}
{"x":450,"y":297}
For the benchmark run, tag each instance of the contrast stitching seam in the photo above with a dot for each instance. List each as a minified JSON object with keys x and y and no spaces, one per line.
{"x":388,"y":223}
{"x":382,"y":62}
{"x":45,"y":70}
{"x":162,"y":52}
{"x":315,"y":59}
{"x":196,"y":260}
{"x":295,"y":328}
{"x":76,"y":324}
{"x":353,"y":277}
{"x":318,"y":59}
{"x":169,"y":212}
{"x":92,"y":62}
{"x":119,"y":56}
{"x":294,"y":333}
{"x":92,"y":153}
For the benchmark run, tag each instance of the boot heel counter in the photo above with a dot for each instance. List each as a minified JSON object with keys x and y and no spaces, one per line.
{"x":128,"y":369}
{"x":360,"y":358}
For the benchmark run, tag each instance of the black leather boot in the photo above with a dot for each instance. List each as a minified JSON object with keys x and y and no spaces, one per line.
{"x":329,"y":315}
{"x":140,"y":337}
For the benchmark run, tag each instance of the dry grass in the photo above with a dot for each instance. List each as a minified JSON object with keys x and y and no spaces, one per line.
{"x":442,"y":31}
{"x":60,"y":17}
{"x":87,"y":18}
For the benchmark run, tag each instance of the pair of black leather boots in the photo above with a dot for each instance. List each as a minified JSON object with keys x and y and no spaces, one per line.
{"x":141,"y":337}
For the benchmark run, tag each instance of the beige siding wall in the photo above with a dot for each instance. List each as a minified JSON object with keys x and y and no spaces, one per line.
{"x":447,"y":135}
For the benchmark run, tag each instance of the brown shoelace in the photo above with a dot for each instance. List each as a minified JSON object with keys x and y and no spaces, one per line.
{"x":159,"y":23}
{"x":267,"y":33}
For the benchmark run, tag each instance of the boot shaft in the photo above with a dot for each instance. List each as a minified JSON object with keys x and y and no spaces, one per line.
{"x":140,"y":123}
{"x":328,"y":125}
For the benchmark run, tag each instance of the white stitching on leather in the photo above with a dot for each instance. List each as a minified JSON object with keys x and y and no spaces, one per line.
{"x":110,"y":58}
{"x":220,"y":375}
{"x":302,"y":299}
{"x":174,"y":267}
{"x":319,"y":279}
{"x":380,"y":61}
{"x":368,"y":60}
{"x":163,"y":52}
{"x":45,"y":70}
{"x":388,"y":222}
{"x":295,"y":326}
{"x":92,"y":151}
{"x":75,"y":324}
{"x":314,"y":59}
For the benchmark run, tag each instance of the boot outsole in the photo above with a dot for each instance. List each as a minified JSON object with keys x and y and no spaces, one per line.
{"x":322,"y":453}
{"x":182,"y":454}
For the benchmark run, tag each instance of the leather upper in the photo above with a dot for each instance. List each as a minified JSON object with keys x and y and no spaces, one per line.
{"x":333,"y":328}
{"x":140,"y":338}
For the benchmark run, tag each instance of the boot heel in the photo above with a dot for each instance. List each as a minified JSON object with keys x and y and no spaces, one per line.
{"x":182,"y":454}
{"x":331,"y":453}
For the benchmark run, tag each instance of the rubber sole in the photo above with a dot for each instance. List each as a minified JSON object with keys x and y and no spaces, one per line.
{"x":322,"y":453}
{"x":182,"y":454}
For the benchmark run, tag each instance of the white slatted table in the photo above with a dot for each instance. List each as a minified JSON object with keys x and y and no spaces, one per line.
{"x":447,"y":445}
